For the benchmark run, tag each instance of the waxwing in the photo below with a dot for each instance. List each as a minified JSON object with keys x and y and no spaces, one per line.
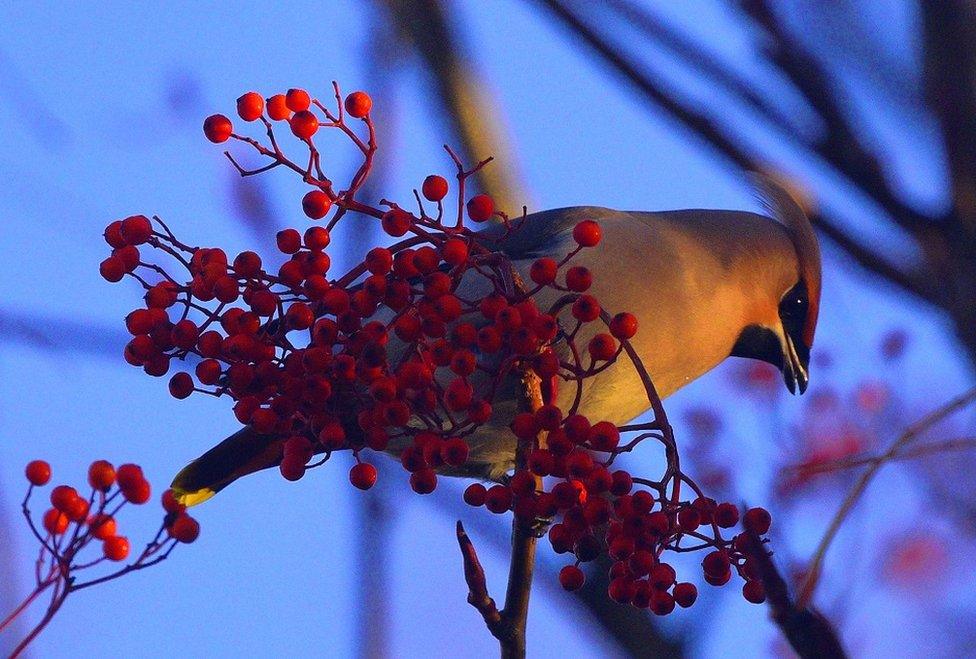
{"x":703,"y":284}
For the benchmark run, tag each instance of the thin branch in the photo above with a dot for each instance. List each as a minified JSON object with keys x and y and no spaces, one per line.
{"x":911,"y":433}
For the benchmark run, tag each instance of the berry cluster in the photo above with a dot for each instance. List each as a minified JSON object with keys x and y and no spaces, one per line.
{"x":408,"y":350}
{"x":74,"y":521}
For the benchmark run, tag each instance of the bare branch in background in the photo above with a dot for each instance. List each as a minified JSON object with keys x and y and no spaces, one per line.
{"x":60,"y":334}
{"x":427,"y":24}
{"x":911,"y":433}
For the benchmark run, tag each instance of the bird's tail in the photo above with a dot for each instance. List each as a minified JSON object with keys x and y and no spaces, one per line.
{"x":243,"y":453}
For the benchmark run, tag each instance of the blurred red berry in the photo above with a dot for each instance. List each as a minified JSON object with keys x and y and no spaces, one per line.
{"x":363,"y":475}
{"x":101,"y":475}
{"x":116,"y":548}
{"x":571,"y":578}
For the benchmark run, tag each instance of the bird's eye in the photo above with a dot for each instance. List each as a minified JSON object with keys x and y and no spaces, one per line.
{"x":794,"y":303}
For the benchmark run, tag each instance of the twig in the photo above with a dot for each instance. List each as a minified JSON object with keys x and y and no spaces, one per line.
{"x":851,"y":462}
{"x":912,"y":432}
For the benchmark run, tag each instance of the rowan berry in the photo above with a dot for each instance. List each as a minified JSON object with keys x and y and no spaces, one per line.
{"x":55,"y":522}
{"x":250,"y":106}
{"x":292,"y":467}
{"x":181,"y":385}
{"x":277,"y":107}
{"x":316,"y":204}
{"x":454,"y":251}
{"x":170,"y":502}
{"x":587,"y":233}
{"x":103,"y":526}
{"x":423,"y":481}
{"x":571,"y":578}
{"x":434,"y":187}
{"x":112,"y":269}
{"x":754,"y":592}
{"x":38,"y":472}
{"x":475,"y":495}
{"x":101,"y":475}
{"x":138,"y":493}
{"x":726,"y":515}
{"x":358,"y":104}
{"x":297,"y":100}
{"x":63,"y":496}
{"x":757,"y":520}
{"x":586,"y":308}
{"x":715,"y":563}
{"x":622,"y":483}
{"x":623,"y":325}
{"x":498,"y":499}
{"x":689,"y":520}
{"x":622,"y":590}
{"x":136,"y":230}
{"x":184,"y":528}
{"x":602,"y":347}
{"x":217,"y":128}
{"x":480,"y":207}
{"x":661,"y":603}
{"x":396,"y":222}
{"x":304,"y":124}
{"x":455,"y":451}
{"x":543,"y":271}
{"x":289,"y":241}
{"x":116,"y":548}
{"x":578,"y":279}
{"x":685,"y":594}
{"x":113,"y":234}
{"x":77,"y":509}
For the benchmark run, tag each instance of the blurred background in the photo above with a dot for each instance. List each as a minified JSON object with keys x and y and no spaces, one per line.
{"x":866,"y":107}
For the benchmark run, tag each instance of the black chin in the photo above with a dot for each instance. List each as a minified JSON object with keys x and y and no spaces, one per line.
{"x":757,"y":342}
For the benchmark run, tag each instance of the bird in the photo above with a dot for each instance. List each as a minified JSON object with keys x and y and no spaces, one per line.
{"x":704,"y":285}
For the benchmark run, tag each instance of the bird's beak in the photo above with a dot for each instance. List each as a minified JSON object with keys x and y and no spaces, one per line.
{"x":796,"y":362}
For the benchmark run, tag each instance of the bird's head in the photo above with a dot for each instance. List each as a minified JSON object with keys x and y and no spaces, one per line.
{"x":784,"y":338}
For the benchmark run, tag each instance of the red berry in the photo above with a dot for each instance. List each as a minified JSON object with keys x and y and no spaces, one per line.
{"x":498,"y":499}
{"x":578,"y":279}
{"x":113,"y":234}
{"x":278,"y":107}
{"x":297,"y":100}
{"x":543,"y":271}
{"x":363,"y":475}
{"x":661,"y":603}
{"x":586,"y":308}
{"x":481,"y":207}
{"x":103,"y":526}
{"x":623,"y":325}
{"x":170,"y":503}
{"x":475,"y":495}
{"x":63,"y":496}
{"x":358,"y":104}
{"x":316,"y":204}
{"x":180,"y":385}
{"x":38,"y":472}
{"x":726,"y":515}
{"x":396,"y":222}
{"x":754,"y":592}
{"x":138,"y":493}
{"x":757,"y":520}
{"x":101,"y":475}
{"x":184,"y":528}
{"x":77,"y":510}
{"x":289,"y":241}
{"x":136,"y":229}
{"x":455,"y":251}
{"x":304,"y":124}
{"x":602,"y":347}
{"x":55,"y":522}
{"x":716,"y":563}
{"x":434,"y":187}
{"x":622,"y":590}
{"x":571,"y":578}
{"x":217,"y":128}
{"x":116,"y":548}
{"x":587,"y":233}
{"x":685,"y":594}
{"x":423,"y":481}
{"x":455,"y":452}
{"x":112,"y":269}
{"x":292,"y":467}
{"x":250,"y":106}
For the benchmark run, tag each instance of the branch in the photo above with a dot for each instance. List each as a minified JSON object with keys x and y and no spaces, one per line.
{"x":911,"y":433}
{"x":808,"y":632}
